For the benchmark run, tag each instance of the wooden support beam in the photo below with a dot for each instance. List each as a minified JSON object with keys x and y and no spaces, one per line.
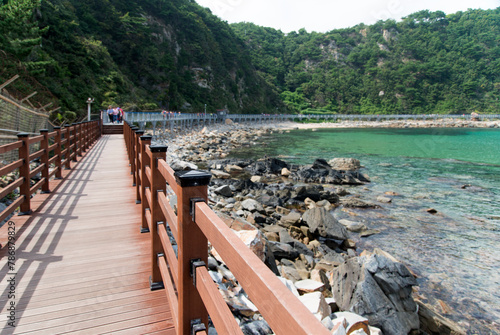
{"x":29,"y":96}
{"x":47,"y":105}
{"x":9,"y":81}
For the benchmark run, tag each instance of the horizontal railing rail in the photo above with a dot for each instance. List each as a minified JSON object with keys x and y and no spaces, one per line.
{"x":55,"y":152}
{"x":201,"y":118}
{"x":179,"y":235}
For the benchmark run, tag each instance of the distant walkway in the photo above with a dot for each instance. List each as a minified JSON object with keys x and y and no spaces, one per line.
{"x":82,"y":265}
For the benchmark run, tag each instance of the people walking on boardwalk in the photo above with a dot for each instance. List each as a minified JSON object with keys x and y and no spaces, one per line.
{"x":116,"y":112}
{"x":120,"y":114}
{"x":110,"y":114}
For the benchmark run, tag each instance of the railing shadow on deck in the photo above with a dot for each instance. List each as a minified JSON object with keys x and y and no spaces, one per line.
{"x":60,"y":194}
{"x":192,"y":294}
{"x":66,"y":196}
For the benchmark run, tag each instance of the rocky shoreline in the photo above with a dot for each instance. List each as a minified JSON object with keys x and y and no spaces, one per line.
{"x":283,"y":213}
{"x":440,"y":123}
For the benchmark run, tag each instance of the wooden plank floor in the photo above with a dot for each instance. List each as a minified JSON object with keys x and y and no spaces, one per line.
{"x":82,"y":265}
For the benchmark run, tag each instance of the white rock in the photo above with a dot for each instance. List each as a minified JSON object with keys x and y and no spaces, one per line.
{"x":339,"y":326}
{"x":354,"y":321}
{"x":256,"y":179}
{"x":375,"y":331}
{"x":220,"y":174}
{"x":289,"y":285}
{"x":285,"y":172}
{"x":308,"y":285}
{"x":255,"y":240}
{"x":327,"y":322}
{"x":233,"y":169}
{"x":316,"y":304}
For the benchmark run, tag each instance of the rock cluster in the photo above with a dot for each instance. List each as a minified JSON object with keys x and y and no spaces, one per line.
{"x":283,"y":213}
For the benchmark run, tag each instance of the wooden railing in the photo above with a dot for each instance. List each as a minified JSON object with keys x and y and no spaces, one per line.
{"x":56,"y":149}
{"x":191,"y":292}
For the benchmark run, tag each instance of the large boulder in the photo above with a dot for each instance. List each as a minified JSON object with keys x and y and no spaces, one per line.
{"x":322,"y":223}
{"x":379,"y":289}
{"x":329,"y":176}
{"x":345,"y":164}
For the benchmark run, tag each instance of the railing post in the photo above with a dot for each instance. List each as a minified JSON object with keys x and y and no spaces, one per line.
{"x":85,"y":139}
{"x":125,"y":138}
{"x":137,"y":158}
{"x":158,"y":184}
{"x":79,"y":139}
{"x":24,"y":172}
{"x":57,"y":152}
{"x":73,"y":130}
{"x":67,"y":136}
{"x":191,"y":243}
{"x":132,"y":154}
{"x":144,"y":141}
{"x":45,"y":159}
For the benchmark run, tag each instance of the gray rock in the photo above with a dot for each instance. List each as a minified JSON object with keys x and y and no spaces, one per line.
{"x":353,"y":226}
{"x":285,"y":237}
{"x":212,"y":263}
{"x":384,"y":199}
{"x":283,"y":250}
{"x":379,"y":289}
{"x":252,"y":205}
{"x":259,"y":327}
{"x":322,"y":223}
{"x":182,"y":166}
{"x":224,"y":190}
{"x":369,"y":232}
{"x":290,"y":219}
{"x":357,"y":203}
{"x":290,"y":273}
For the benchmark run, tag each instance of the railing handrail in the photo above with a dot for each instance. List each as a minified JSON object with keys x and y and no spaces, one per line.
{"x":192,"y":227}
{"x":68,"y":142}
{"x":142,"y":117}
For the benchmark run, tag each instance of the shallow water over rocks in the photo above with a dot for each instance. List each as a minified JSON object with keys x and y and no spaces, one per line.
{"x":454,"y":252}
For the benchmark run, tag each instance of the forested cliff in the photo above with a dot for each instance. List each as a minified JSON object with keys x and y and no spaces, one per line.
{"x":145,"y":53}
{"x":427,"y":63}
{"x":175,"y":54}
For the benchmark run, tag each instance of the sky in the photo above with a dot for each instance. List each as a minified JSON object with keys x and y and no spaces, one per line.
{"x":326,"y":15}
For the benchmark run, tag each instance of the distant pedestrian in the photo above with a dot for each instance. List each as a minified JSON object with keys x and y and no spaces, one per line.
{"x":116,"y":112}
{"x":110,"y":114}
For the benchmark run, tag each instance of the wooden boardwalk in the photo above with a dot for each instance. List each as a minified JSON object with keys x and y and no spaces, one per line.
{"x":81,"y":264}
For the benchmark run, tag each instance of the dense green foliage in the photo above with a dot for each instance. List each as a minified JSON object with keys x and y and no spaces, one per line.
{"x":149,"y":54}
{"x":427,"y":63}
{"x":144,"y":53}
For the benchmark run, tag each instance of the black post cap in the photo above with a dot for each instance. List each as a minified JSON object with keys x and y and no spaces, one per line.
{"x":158,"y":148}
{"x":23,"y":135}
{"x":192,"y":178}
{"x":44,"y":131}
{"x":56,"y":128}
{"x":139,"y":132}
{"x":146,"y":138}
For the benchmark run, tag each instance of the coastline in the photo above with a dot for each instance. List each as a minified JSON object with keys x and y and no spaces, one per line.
{"x":223,"y":138}
{"x":446,"y":123}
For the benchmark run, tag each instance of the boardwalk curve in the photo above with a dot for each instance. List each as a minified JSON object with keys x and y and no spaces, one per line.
{"x":82,"y":265}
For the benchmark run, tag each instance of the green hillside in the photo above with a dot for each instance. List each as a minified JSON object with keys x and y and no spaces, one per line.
{"x":145,"y":54}
{"x":152,"y":54}
{"x":427,"y":63}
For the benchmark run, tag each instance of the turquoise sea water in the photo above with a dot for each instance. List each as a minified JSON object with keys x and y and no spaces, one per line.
{"x":456,"y":252}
